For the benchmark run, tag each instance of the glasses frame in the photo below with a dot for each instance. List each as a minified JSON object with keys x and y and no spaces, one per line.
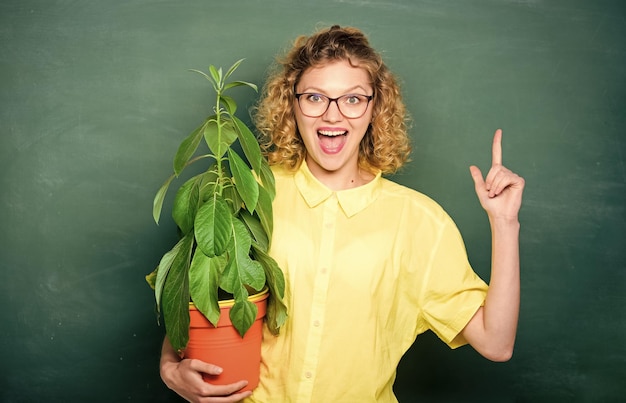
{"x":335,"y":100}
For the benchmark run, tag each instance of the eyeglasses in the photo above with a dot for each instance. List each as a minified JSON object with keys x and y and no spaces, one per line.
{"x":352,"y":106}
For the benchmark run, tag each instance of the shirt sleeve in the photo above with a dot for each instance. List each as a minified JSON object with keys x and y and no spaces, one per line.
{"x":451,"y":291}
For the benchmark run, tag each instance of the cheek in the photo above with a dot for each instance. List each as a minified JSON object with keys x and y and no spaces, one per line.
{"x":303,"y":125}
{"x":364,"y":125}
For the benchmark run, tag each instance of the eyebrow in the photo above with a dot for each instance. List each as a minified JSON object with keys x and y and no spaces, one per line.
{"x":321,"y":91}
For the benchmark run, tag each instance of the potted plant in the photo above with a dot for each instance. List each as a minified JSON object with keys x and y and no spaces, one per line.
{"x":224,"y":218}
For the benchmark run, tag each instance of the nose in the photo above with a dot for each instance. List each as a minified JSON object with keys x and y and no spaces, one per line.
{"x":333,"y":114}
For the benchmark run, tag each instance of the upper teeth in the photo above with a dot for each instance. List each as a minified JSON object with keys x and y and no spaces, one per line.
{"x":331,"y":132}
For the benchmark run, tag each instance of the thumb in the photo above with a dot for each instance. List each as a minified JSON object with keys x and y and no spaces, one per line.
{"x":477,"y":176}
{"x":205,"y":367}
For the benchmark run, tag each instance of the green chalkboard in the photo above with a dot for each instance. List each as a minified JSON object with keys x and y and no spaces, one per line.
{"x":95,"y":96}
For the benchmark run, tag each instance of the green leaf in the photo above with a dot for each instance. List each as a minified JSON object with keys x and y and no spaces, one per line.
{"x":274,"y":277}
{"x":246,"y":184}
{"x":241,"y":270}
{"x":275,"y":280}
{"x":165,"y":265}
{"x":233,"y":199}
{"x":202,"y":73}
{"x":265,"y":212}
{"x":219,"y":139}
{"x":208,"y":184}
{"x":203,"y":283}
{"x":229,"y":133}
{"x":229,"y":103}
{"x":211,"y":136}
{"x":256,"y":229}
{"x":176,"y":313}
{"x":233,"y":68}
{"x":186,"y":204}
{"x":216,"y":74}
{"x":251,"y":271}
{"x":187,"y":148}
{"x":249,"y":144}
{"x":234,"y":84}
{"x":175,"y":299}
{"x":267,"y":178}
{"x":213,"y":84}
{"x":213,"y":227}
{"x":157,"y":203}
{"x":242,"y":315}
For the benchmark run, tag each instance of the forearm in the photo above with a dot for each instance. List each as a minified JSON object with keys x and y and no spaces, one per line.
{"x":492,"y":329}
{"x":501,"y":310}
{"x":168,"y":358}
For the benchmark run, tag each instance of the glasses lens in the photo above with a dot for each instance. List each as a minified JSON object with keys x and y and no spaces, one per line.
{"x":353,"y":106}
{"x":313,"y":105}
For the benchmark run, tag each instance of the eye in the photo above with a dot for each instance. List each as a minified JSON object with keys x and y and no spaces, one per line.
{"x":352,"y":99}
{"x":315,"y":98}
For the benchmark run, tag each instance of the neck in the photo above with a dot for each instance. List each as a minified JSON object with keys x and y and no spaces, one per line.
{"x":344,"y":179}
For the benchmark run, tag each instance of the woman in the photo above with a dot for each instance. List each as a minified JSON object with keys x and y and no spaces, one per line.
{"x":369,"y":264}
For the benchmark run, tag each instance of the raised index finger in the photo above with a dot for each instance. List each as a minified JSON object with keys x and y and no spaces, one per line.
{"x":496,"y":148}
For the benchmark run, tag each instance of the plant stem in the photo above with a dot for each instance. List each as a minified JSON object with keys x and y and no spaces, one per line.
{"x":218,"y":117}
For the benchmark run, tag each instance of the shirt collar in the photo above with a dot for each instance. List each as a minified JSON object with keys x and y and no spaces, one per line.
{"x":351,"y":201}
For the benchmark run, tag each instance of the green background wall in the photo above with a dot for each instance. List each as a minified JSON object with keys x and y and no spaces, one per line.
{"x":95,"y":97}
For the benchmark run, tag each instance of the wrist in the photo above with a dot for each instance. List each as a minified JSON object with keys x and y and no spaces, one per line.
{"x":166,"y":370}
{"x":504,"y":227}
{"x":504,"y":222}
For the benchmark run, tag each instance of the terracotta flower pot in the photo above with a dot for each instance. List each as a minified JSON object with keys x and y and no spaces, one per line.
{"x":240,"y":358}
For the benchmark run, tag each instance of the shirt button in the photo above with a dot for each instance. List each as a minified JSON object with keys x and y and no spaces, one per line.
{"x":308,"y":374}
{"x":316,"y":323}
{"x":323,"y":270}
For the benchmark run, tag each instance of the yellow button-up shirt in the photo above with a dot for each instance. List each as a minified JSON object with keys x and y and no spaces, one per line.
{"x":367,"y":270}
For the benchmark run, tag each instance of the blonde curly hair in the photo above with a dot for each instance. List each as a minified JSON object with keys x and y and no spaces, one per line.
{"x":384,"y":147}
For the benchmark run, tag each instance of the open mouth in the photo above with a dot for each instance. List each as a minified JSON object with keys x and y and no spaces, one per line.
{"x":332,"y":141}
